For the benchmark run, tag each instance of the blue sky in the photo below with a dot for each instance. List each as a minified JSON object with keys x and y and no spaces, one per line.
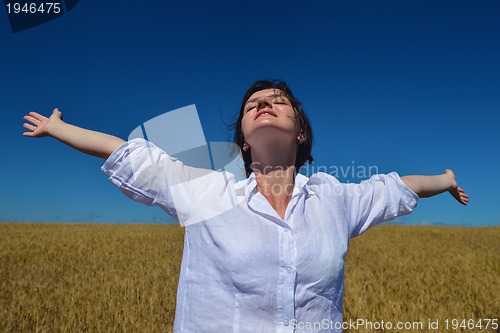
{"x":412,"y":87}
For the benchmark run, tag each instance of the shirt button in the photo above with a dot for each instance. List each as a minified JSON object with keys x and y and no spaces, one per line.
{"x":288,"y":269}
{"x":286,"y":322}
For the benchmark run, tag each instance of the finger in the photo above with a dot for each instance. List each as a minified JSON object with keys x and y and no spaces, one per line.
{"x":28,"y":134}
{"x":32,"y":120}
{"x":57,"y":112}
{"x":37,"y":115}
{"x":30,"y":127}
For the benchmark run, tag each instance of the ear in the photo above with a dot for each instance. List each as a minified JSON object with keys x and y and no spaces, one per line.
{"x":301,"y":138}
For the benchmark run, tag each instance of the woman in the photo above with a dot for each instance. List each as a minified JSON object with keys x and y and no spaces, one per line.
{"x":265,"y":254}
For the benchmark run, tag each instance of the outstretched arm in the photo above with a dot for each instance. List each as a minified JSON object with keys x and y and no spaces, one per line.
{"x":87,"y":141}
{"x":428,"y":186}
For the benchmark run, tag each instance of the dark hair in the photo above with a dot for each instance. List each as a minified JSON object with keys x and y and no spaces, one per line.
{"x":304,"y":149}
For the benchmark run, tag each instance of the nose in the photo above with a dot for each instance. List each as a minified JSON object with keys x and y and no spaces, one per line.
{"x":262,"y":103}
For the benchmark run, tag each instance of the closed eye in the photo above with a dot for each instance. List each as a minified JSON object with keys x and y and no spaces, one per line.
{"x":280,"y":100}
{"x":249,"y":108}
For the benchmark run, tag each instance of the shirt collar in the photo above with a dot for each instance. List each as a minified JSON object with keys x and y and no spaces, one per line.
{"x":300,"y":185}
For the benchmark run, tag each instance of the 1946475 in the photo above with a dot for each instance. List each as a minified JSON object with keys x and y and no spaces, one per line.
{"x":33,"y":8}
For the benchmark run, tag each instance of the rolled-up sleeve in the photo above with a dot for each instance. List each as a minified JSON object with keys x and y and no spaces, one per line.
{"x":145,"y":173}
{"x":378,"y":199}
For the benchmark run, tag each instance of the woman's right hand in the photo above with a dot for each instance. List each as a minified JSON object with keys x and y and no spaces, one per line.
{"x":87,"y":141}
{"x":39,"y":126}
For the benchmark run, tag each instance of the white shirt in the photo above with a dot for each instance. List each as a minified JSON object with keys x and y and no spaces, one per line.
{"x":244,"y":268}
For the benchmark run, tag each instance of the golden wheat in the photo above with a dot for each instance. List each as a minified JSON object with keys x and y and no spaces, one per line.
{"x":424,"y":274}
{"x":123,"y":278}
{"x":88,"y":278}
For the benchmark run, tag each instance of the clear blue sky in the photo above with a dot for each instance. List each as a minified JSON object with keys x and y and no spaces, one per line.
{"x":406,"y":86}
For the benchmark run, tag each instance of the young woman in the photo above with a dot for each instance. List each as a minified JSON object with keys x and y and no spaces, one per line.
{"x":265,"y":254}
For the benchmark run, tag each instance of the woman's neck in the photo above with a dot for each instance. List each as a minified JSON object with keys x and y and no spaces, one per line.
{"x":276,"y":185}
{"x":273,"y":164}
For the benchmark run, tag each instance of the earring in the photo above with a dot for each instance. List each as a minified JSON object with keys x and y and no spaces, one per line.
{"x":301,"y":139}
{"x":245,"y":146}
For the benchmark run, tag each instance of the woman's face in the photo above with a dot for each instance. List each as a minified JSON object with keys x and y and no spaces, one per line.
{"x":269,"y":115}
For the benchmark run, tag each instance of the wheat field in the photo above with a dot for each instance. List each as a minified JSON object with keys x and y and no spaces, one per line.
{"x":123,"y":278}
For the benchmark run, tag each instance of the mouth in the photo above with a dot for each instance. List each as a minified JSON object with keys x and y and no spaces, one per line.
{"x":265,"y":113}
